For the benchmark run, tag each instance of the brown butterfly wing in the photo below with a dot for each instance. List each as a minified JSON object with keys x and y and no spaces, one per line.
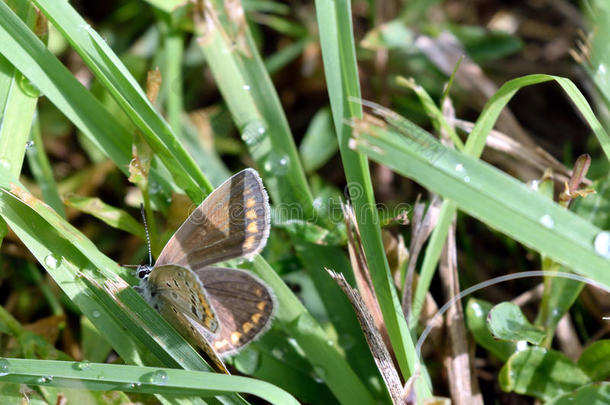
{"x":180,"y":287}
{"x":233,"y":221}
{"x":178,"y":295}
{"x":243,"y":303}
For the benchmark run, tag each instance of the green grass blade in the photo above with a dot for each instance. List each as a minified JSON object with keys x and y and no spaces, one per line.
{"x":495,"y":105}
{"x":336,"y":38}
{"x":490,"y":195}
{"x":330,"y":367}
{"x":256,"y":110}
{"x":249,"y":93}
{"x":115,"y":77}
{"x":165,"y":381}
{"x":474,"y":147}
{"x":42,"y":172}
{"x":28,"y":54}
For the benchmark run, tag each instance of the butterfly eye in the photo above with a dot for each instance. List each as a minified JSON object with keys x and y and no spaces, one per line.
{"x":143,"y":273}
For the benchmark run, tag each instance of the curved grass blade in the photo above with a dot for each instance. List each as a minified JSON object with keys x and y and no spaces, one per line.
{"x":29,"y":55}
{"x":150,"y":380}
{"x":488,"y":194}
{"x":474,"y":147}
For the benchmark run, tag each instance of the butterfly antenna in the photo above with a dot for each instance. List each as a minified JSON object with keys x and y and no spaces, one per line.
{"x":147,"y":234}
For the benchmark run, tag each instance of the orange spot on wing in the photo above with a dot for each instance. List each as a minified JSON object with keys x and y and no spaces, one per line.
{"x":249,"y":242}
{"x":252,"y":227}
{"x":235,"y":336}
{"x":220,"y":344}
{"x":251,"y":202}
{"x":261,"y":305}
{"x":247,"y":326}
{"x":251,"y":214}
{"x":256,"y":317}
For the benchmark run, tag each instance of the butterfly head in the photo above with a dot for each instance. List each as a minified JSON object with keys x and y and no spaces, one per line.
{"x":143,"y":271}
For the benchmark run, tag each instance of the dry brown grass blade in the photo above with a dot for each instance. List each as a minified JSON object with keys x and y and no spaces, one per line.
{"x":462,"y":382}
{"x":361,"y":272}
{"x":380,"y":351}
{"x":420,"y":231}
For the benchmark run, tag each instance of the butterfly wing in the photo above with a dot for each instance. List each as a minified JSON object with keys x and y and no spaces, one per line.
{"x":180,"y":289}
{"x":244,"y":305}
{"x":178,"y":295}
{"x":233,"y":221}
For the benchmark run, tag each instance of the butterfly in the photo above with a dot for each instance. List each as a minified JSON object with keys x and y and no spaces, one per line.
{"x":219,"y":310}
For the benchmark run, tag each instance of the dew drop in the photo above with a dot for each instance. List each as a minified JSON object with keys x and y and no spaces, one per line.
{"x":602,"y":244}
{"x":29,"y":144}
{"x":466,"y":179}
{"x":83,"y":365}
{"x":4,"y":367}
{"x":5,"y":163}
{"x":533,"y":185}
{"x":319,"y":374}
{"x":27,"y":86}
{"x":601,"y":69}
{"x":96,"y":314}
{"x":276,"y":164}
{"x":247,"y":87}
{"x":478,"y":311}
{"x":547,"y":221}
{"x":253,"y":133}
{"x":52,"y":261}
{"x":521,"y":345}
{"x":159,"y":377}
{"x":459,"y":167}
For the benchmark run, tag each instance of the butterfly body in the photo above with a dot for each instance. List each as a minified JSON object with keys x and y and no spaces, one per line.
{"x":219,"y":310}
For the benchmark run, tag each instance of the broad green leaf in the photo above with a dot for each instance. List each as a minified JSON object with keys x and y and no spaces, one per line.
{"x":506,"y":321}
{"x":595,"y":360}
{"x":541,"y":373}
{"x":476,"y":320}
{"x":591,"y":394}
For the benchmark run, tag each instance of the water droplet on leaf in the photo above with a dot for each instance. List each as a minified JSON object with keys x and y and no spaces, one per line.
{"x":159,"y":377}
{"x":83,"y":365}
{"x":602,"y":244}
{"x":4,"y":367}
{"x":52,"y":261}
{"x":547,"y":221}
